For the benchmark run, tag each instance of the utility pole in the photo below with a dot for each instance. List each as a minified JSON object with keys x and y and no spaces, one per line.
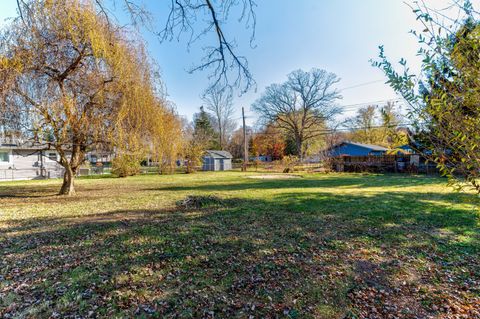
{"x":245,"y":147}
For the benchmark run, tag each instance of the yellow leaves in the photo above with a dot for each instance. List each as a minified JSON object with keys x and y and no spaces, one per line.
{"x":465,"y":52}
{"x":97,"y":80}
{"x":78,"y":21}
{"x":14,"y":64}
{"x":144,"y":117}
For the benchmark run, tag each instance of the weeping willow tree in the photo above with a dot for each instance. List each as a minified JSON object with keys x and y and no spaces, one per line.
{"x":167,"y":140}
{"x":148,"y":129}
{"x":76,"y":80}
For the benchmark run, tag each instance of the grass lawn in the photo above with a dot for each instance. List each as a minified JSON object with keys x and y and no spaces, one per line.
{"x":320,"y":246}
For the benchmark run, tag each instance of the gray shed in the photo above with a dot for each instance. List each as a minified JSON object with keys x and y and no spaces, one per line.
{"x":217,"y":161}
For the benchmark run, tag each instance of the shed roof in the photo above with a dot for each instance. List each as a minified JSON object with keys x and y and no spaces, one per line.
{"x":219,"y":154}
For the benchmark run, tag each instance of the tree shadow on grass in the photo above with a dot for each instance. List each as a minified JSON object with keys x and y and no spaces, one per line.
{"x":293,"y":255}
{"x":326,"y":181}
{"x":40,"y":191}
{"x":14,"y":191}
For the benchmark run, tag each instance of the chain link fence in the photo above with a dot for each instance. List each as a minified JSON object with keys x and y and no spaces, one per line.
{"x":13,"y":174}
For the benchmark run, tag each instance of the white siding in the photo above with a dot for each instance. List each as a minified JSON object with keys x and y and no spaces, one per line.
{"x":216,"y":166}
{"x":26,"y":164}
{"x":227,"y":164}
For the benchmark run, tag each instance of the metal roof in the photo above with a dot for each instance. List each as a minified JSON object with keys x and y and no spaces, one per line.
{"x":219,"y":154}
{"x":367,"y":146}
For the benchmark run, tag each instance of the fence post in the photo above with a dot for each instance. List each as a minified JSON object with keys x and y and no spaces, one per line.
{"x":341,"y":165}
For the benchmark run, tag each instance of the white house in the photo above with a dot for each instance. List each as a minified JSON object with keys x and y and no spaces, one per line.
{"x":24,"y":160}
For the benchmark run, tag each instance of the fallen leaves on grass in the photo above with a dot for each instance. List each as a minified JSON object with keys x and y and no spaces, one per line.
{"x":263,"y":251}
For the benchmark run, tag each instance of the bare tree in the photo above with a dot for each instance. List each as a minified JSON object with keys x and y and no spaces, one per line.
{"x":364,"y":125}
{"x":377,"y":125}
{"x":235,"y":145}
{"x":227,"y":66}
{"x":198,"y":19}
{"x":301,"y":106}
{"x":219,"y":101}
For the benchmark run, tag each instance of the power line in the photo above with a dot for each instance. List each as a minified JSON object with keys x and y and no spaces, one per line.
{"x":346,"y":129}
{"x":348,"y":106}
{"x":357,"y":105}
{"x":348,"y":88}
{"x":360,"y":85}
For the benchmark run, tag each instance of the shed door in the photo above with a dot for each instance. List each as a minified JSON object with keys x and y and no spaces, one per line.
{"x":222,"y":165}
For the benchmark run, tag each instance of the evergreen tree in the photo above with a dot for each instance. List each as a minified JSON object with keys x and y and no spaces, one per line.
{"x":203,"y":131}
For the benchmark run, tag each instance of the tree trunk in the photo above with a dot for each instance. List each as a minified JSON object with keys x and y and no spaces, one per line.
{"x":71,"y":163}
{"x":299,"y":145}
{"x":221,"y":136}
{"x":68,"y":186}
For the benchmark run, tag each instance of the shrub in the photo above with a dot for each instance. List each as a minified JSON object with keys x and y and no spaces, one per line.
{"x":289,"y":163}
{"x":125,"y":165}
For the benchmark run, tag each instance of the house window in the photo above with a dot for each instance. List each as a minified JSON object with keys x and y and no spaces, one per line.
{"x":4,"y":157}
{"x":52,"y":156}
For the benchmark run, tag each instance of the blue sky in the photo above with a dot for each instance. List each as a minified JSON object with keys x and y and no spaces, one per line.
{"x":337,"y":35}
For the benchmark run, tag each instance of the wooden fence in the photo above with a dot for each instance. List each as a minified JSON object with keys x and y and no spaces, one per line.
{"x":384,"y":164}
